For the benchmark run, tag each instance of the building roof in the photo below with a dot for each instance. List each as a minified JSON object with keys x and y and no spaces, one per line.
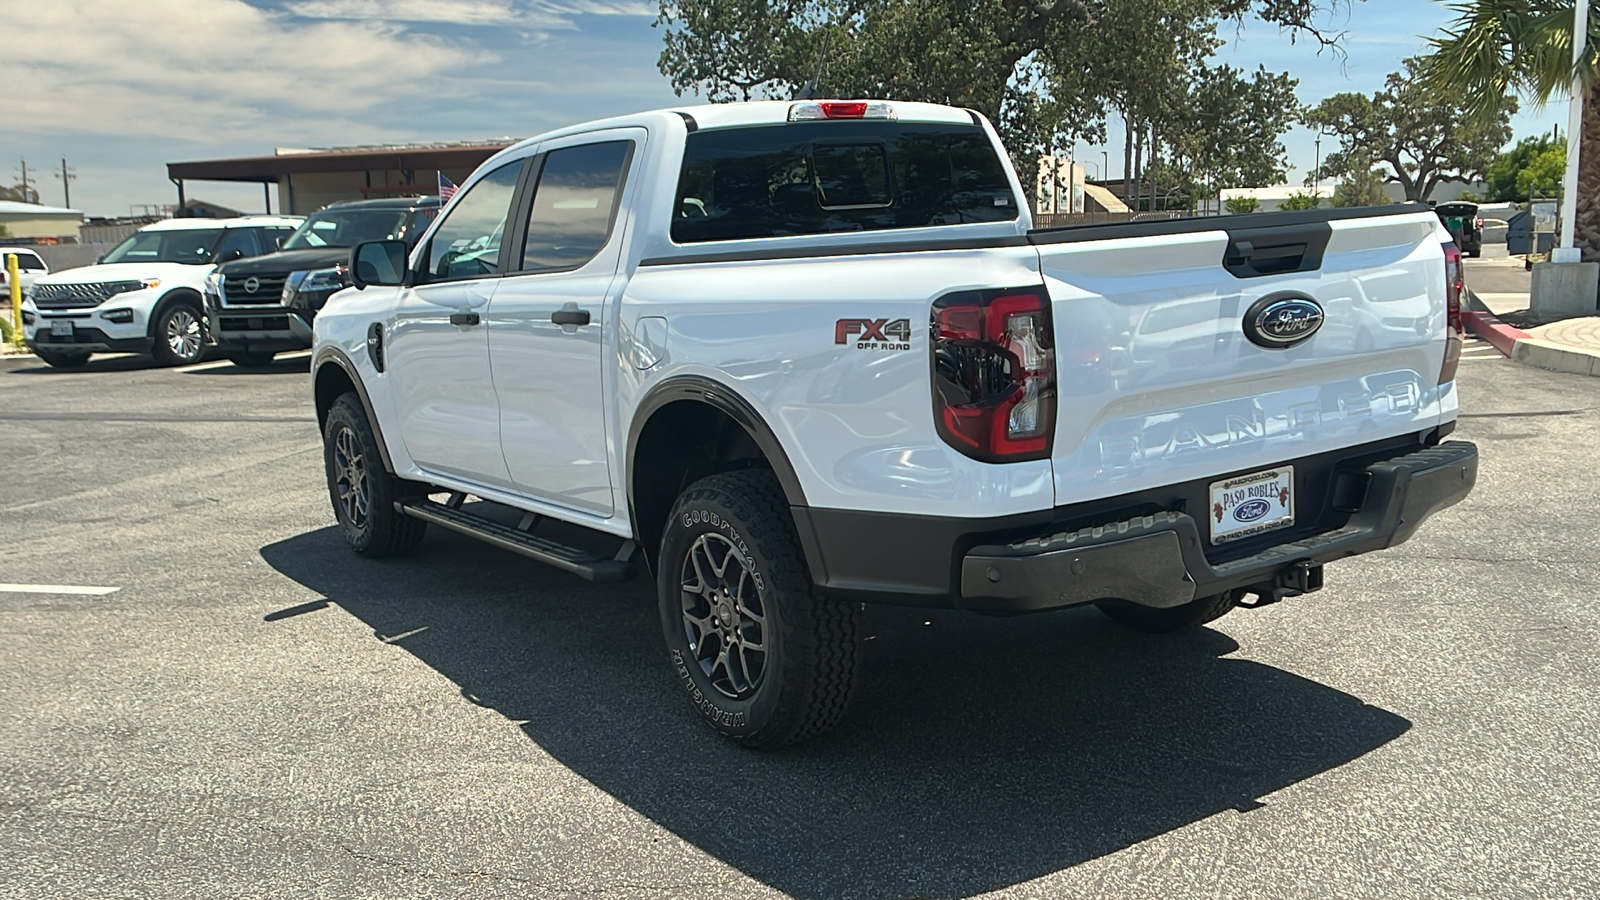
{"x":402,"y":157}
{"x":17,"y":208}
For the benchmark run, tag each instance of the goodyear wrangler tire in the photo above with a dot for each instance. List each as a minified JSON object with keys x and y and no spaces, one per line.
{"x":765,"y":658}
{"x":362,"y":490}
{"x":1193,"y":614}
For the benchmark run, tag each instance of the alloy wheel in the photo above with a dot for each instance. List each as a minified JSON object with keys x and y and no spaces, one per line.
{"x":723,"y":616}
{"x":183,"y":334}
{"x":350,"y":478}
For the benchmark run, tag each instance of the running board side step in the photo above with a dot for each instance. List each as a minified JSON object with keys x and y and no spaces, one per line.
{"x":583,"y":563}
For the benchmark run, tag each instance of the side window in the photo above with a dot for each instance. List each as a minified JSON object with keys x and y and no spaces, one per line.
{"x":467,"y":244}
{"x":416,"y":224}
{"x":240,"y":239}
{"x":574,"y":204}
{"x":272,"y":238}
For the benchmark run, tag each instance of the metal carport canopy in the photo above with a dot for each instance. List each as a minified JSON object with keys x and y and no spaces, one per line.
{"x":268,"y":169}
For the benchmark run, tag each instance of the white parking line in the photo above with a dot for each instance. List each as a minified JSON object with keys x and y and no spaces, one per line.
{"x":56,"y":589}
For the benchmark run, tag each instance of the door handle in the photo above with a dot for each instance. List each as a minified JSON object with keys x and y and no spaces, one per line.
{"x":570,"y":317}
{"x":464,"y":319}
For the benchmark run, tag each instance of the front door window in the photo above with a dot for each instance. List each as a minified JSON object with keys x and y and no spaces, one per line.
{"x":467,"y":242}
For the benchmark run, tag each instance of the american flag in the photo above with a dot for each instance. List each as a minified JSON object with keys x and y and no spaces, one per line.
{"x":447,"y":188}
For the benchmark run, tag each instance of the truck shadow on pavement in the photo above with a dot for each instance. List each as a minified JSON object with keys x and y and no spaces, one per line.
{"x":980,"y":753}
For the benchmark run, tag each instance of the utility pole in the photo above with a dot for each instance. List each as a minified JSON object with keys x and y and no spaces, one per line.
{"x":25,"y":182}
{"x":67,"y":175}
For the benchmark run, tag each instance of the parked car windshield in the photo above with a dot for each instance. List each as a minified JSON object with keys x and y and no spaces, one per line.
{"x":820,"y":177}
{"x":191,"y":246}
{"x":26,"y":261}
{"x":346,"y":228}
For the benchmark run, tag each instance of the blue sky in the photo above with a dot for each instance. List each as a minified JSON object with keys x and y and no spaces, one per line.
{"x":122,"y":88}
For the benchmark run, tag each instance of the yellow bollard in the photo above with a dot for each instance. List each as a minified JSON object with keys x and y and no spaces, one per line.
{"x":14,"y":281}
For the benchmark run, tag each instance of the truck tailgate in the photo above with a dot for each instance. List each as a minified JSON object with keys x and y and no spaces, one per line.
{"x":1159,"y":383}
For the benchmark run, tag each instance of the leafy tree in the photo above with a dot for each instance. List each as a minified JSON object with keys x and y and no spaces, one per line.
{"x":1497,"y":46}
{"x":1541,"y":177}
{"x":1503,"y":172}
{"x":1239,"y":206}
{"x":1044,"y":71}
{"x":1363,"y":185}
{"x":1230,"y":133}
{"x":1424,"y":136}
{"x":1301,"y":200}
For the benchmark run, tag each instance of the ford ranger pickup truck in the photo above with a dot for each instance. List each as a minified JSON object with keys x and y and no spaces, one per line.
{"x":793,"y":357}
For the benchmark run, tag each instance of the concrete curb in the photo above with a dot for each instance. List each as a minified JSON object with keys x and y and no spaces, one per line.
{"x":1524,"y":348}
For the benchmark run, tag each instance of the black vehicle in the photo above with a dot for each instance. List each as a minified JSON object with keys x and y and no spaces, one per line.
{"x":257,"y":308}
{"x":1462,"y":219}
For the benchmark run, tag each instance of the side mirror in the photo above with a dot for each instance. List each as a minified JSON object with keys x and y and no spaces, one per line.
{"x":231,"y":255}
{"x":99,"y":259}
{"x":380,"y":263}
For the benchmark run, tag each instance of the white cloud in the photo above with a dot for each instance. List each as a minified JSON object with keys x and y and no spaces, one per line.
{"x":208,"y":70}
{"x":460,"y":12}
{"x":537,"y":14}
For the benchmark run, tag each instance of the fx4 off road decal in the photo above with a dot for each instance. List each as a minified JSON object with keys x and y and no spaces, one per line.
{"x":874,"y":334}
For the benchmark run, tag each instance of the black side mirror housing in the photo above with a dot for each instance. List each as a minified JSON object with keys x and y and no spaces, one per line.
{"x":381,"y":263}
{"x":231,"y":255}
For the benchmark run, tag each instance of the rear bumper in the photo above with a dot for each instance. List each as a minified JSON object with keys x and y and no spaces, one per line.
{"x":1156,"y":560}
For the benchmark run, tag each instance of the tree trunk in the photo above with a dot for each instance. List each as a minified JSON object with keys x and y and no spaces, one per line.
{"x":1138,"y":169}
{"x":1127,"y":160}
{"x":1587,"y":221}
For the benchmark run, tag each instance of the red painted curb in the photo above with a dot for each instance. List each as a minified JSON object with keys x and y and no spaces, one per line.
{"x":1489,"y":327}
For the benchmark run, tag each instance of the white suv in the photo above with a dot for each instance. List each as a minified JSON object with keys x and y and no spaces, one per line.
{"x":30,"y":268}
{"x":145,"y":295}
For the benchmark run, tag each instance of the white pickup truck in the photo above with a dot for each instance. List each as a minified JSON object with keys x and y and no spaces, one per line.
{"x":797,"y":356}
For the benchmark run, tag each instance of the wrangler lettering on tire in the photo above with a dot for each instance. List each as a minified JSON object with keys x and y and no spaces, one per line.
{"x":765,"y":659}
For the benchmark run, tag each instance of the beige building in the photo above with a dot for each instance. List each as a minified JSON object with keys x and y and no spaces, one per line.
{"x":30,"y":220}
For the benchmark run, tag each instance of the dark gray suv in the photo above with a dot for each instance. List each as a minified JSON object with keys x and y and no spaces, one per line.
{"x":257,"y":308}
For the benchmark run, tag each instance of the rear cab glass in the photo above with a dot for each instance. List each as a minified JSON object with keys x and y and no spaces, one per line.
{"x":805,"y":178}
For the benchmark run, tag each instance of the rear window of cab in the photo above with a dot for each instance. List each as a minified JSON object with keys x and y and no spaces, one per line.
{"x":805,"y":178}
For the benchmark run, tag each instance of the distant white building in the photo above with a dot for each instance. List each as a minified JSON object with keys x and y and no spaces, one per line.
{"x":1272,"y":198}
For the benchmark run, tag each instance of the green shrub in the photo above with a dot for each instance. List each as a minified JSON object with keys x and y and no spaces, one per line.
{"x":1240,"y":206}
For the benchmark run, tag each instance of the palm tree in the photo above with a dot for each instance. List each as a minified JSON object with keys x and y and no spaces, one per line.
{"x":1497,"y":46}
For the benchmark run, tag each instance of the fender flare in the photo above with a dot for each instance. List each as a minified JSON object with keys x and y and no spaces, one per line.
{"x":699,"y":389}
{"x":176,"y":295}
{"x":703,"y":390}
{"x":333,"y":356}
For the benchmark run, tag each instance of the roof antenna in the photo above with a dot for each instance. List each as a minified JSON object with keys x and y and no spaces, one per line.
{"x":808,"y":91}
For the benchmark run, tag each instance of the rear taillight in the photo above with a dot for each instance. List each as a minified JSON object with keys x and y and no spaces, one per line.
{"x":994,"y":374}
{"x":1454,"y":284}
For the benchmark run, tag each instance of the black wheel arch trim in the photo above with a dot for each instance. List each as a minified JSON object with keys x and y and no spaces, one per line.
{"x":175,"y":296}
{"x":699,"y":389}
{"x":333,"y":356}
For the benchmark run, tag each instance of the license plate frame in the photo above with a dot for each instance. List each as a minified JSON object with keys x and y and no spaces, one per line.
{"x":1245,"y":506}
{"x":61,"y":328}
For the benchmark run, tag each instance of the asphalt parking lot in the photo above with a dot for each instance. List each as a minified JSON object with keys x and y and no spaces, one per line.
{"x":256,"y":712}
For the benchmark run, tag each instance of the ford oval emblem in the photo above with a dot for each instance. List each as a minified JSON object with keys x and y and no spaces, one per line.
{"x":1249,"y":512}
{"x":1282,"y":321}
